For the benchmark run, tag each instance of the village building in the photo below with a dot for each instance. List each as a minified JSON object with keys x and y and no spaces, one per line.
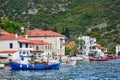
{"x":89,"y":46}
{"x":98,"y":50}
{"x":70,"y":44}
{"x":118,"y":50}
{"x":15,"y":47}
{"x":56,"y":40}
{"x":86,"y":44}
{"x":42,"y":50}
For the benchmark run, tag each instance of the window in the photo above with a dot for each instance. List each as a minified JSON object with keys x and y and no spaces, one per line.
{"x":94,"y":42}
{"x":84,"y":47}
{"x":22,"y":58}
{"x":20,"y":53}
{"x":20,"y":45}
{"x":9,"y":55}
{"x":45,"y":47}
{"x":23,"y":52}
{"x":26,"y":45}
{"x":37,"y":47}
{"x":11,"y":45}
{"x":48,"y":47}
{"x":93,"y":47}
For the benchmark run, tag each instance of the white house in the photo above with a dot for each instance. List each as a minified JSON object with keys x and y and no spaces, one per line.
{"x":55,"y":39}
{"x":90,"y":47}
{"x":88,"y":42}
{"x":118,"y":50}
{"x":42,"y":49}
{"x":15,"y":47}
{"x":98,"y":50}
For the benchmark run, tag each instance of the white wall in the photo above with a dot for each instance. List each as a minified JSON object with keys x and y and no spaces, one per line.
{"x":5,"y":45}
{"x":117,"y":49}
{"x":55,"y":41}
{"x":88,"y":43}
{"x":15,"y":56}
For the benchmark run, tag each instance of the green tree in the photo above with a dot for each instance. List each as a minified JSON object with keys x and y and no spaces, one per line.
{"x":111,"y":48}
{"x":66,"y":32}
{"x":10,"y":26}
{"x":67,"y":51}
{"x":103,"y":42}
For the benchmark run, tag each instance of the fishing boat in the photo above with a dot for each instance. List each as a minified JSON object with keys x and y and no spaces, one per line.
{"x":72,"y":63}
{"x":98,"y":59}
{"x":2,"y":66}
{"x":19,"y":66}
{"x":112,"y":57}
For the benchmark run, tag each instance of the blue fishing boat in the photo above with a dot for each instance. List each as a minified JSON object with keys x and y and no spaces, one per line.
{"x":19,"y":66}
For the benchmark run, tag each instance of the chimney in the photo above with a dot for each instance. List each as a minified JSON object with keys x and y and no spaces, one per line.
{"x":26,"y":36}
{"x":16,"y":35}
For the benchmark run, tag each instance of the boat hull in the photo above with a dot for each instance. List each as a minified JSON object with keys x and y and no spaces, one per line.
{"x":97,"y":59}
{"x":18,"y":66}
{"x":112,"y":57}
{"x":2,"y":66}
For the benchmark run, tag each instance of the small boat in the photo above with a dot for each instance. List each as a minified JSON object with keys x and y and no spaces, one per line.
{"x":72,"y":63}
{"x":112,"y":57}
{"x":19,"y":66}
{"x":2,"y":66}
{"x":98,"y":59}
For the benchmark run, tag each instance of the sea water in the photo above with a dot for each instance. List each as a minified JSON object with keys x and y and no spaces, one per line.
{"x":83,"y":70}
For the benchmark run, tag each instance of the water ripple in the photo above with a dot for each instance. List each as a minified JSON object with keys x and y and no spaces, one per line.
{"x":84,"y":70}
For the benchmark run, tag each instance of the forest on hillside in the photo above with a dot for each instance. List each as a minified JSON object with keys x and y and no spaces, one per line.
{"x":95,"y":18}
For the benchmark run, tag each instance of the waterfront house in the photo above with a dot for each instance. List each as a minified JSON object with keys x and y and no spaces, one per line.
{"x":118,"y":50}
{"x":42,"y":50}
{"x":87,"y":43}
{"x":98,"y":50}
{"x":55,"y":39}
{"x":89,"y":46}
{"x":15,"y":47}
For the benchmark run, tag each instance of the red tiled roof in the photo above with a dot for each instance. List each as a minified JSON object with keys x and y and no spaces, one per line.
{"x":37,"y":32}
{"x":7,"y":52}
{"x":41,"y":42}
{"x":14,"y":37}
{"x":23,"y":40}
{"x":70,"y":44}
{"x":8,"y":37}
{"x":4,"y":32}
{"x":99,"y":46}
{"x":118,"y":44}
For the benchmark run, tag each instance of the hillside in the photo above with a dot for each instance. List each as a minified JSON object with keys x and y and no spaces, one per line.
{"x":96,"y":18}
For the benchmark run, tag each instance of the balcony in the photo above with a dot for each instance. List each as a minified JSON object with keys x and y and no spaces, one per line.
{"x":93,"y":49}
{"x":26,"y":49}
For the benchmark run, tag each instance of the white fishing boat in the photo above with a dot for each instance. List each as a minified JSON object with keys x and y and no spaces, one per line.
{"x":2,"y":66}
{"x":71,"y":62}
{"x":76,"y":58}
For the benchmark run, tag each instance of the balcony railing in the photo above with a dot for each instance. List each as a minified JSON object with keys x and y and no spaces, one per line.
{"x":26,"y":49}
